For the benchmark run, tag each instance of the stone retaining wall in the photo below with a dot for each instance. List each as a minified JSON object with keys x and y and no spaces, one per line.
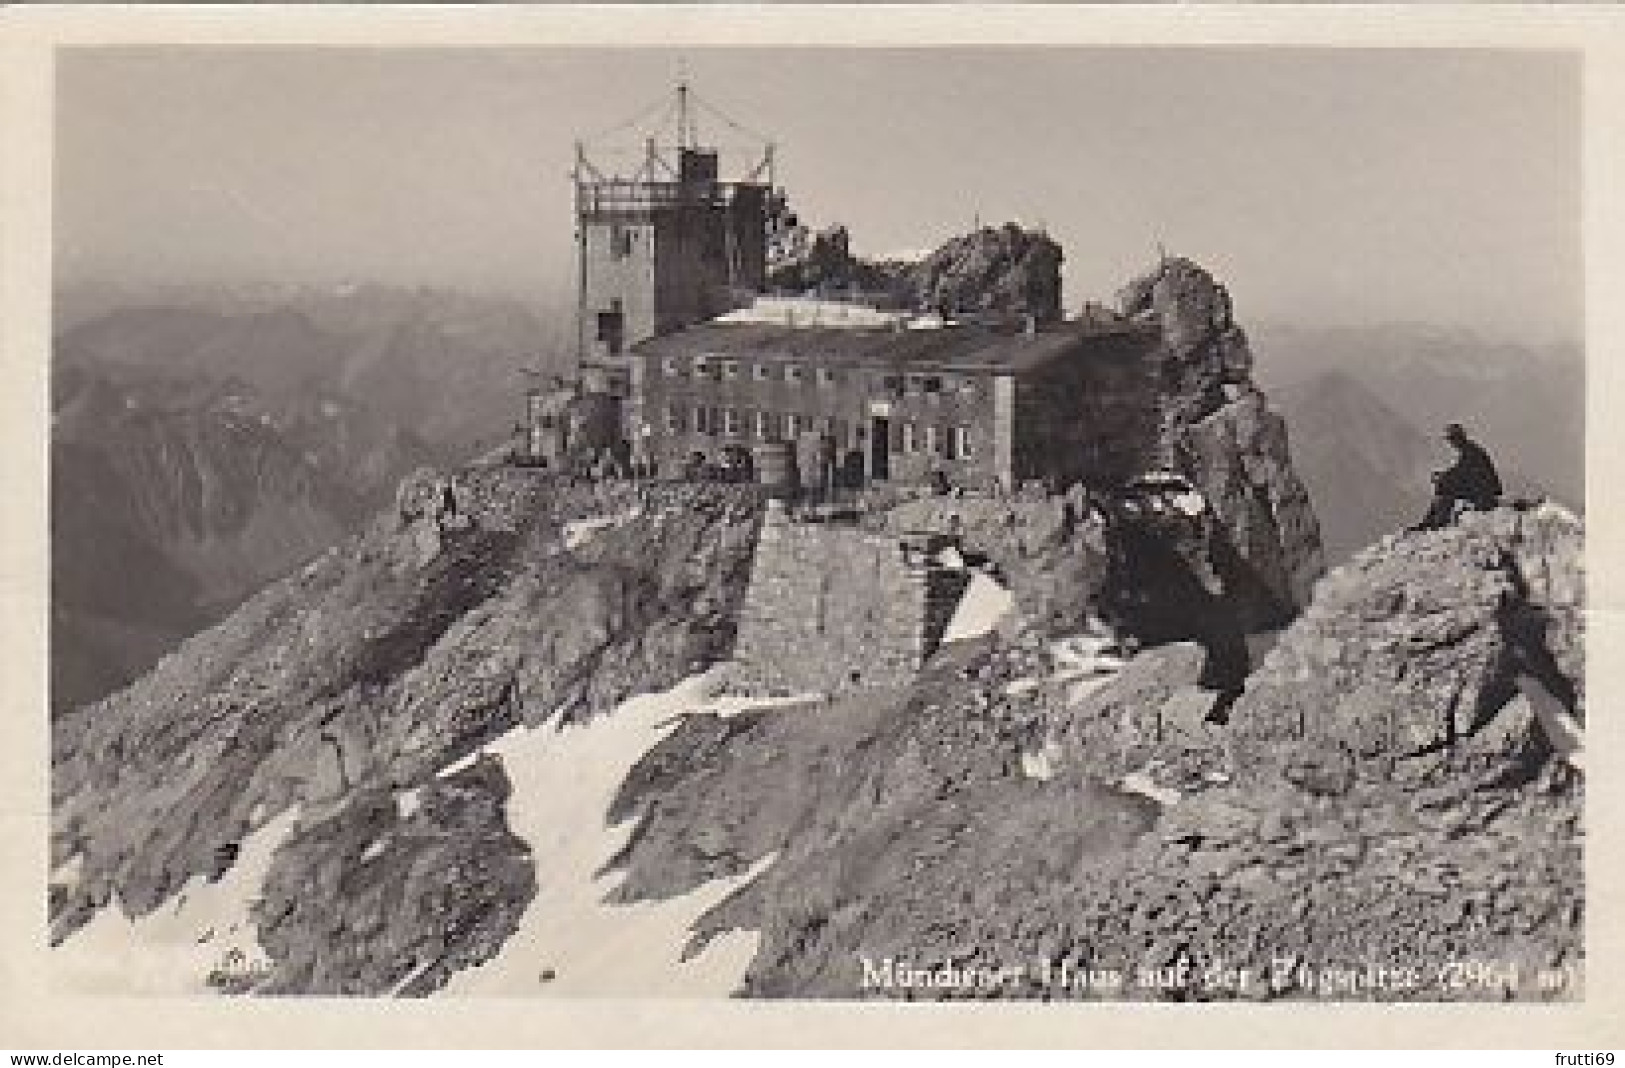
{"x":832,"y":608}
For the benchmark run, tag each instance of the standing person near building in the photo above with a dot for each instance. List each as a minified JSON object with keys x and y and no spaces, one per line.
{"x":1472,"y":481}
{"x":827,"y":462}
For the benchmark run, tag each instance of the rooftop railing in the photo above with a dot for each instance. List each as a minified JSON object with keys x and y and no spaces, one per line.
{"x":626,"y":195}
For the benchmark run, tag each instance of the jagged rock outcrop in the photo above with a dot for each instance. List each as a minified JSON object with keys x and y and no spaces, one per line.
{"x":1219,"y":431}
{"x":1384,"y":815}
{"x":386,"y":896}
{"x":487,"y":599}
{"x":825,"y":263}
{"x":1005,"y":270}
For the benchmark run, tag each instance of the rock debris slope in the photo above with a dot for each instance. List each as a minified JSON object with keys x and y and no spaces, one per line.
{"x":1391,"y":811}
{"x":345,"y":688}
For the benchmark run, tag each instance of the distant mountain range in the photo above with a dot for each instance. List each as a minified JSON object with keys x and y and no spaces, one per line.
{"x":202,"y":449}
{"x":1365,"y":408}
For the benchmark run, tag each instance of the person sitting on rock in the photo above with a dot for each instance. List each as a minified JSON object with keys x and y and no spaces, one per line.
{"x":1471,"y":481}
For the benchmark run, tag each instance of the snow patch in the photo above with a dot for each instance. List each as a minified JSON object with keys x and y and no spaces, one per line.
{"x":1563,"y":732}
{"x":1190,"y":503}
{"x":1041,"y":764}
{"x":571,"y":941}
{"x":1086,"y":655}
{"x":407,"y":802}
{"x":577,"y":533}
{"x":173,"y":949}
{"x":1141,"y":782}
{"x":69,"y":874}
{"x":983,"y":604}
{"x":460,"y":764}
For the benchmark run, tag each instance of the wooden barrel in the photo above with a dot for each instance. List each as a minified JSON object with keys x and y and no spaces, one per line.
{"x":776,"y":467}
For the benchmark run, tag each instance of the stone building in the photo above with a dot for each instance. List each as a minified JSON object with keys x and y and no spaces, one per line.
{"x":903,"y":398}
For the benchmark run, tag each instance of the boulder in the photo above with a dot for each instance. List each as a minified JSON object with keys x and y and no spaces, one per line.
{"x":1411,"y":655}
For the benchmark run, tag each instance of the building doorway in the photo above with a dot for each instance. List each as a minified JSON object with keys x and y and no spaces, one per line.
{"x":879,"y":448}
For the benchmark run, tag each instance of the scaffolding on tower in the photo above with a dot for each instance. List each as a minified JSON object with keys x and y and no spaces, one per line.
{"x":653,"y":172}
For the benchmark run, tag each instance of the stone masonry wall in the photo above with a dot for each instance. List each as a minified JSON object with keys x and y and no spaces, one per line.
{"x":831,"y":609}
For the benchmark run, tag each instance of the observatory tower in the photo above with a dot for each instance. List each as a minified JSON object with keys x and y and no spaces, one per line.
{"x":671,"y":245}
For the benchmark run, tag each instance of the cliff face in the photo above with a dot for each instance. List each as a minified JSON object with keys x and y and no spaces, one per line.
{"x":1009,"y":811}
{"x":1219,"y":430}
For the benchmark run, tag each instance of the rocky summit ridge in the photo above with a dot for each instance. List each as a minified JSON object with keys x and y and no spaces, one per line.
{"x":1111,"y":776}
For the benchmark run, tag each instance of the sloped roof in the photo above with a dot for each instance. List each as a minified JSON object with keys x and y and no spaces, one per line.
{"x":967,"y":347}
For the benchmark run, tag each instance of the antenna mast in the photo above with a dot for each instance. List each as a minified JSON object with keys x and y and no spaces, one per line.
{"x":688,"y":134}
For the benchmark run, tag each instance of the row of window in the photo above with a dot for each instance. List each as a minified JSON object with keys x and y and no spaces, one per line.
{"x":718,"y":369}
{"x":951,"y":442}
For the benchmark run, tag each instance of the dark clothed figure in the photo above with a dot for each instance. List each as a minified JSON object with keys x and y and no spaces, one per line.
{"x":829,"y":467}
{"x":1472,"y":480}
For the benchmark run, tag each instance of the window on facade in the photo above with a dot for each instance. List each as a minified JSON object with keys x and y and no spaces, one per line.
{"x":730,"y":420}
{"x":893,"y":383}
{"x":620,"y":242}
{"x":612,"y":328}
{"x":826,"y":376}
{"x":761,"y":372}
{"x":674,"y":419}
{"x":931,"y":384}
{"x":730,"y":369}
{"x":909,"y":441}
{"x":793,"y":374}
{"x":959,"y":443}
{"x":967,"y":387}
{"x":931,"y":438}
{"x":792,"y":426}
{"x":764,"y":424}
{"x":671,"y":367}
{"x":703,"y":423}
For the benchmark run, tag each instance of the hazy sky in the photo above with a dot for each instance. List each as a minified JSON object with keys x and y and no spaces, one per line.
{"x":1325,"y":186}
